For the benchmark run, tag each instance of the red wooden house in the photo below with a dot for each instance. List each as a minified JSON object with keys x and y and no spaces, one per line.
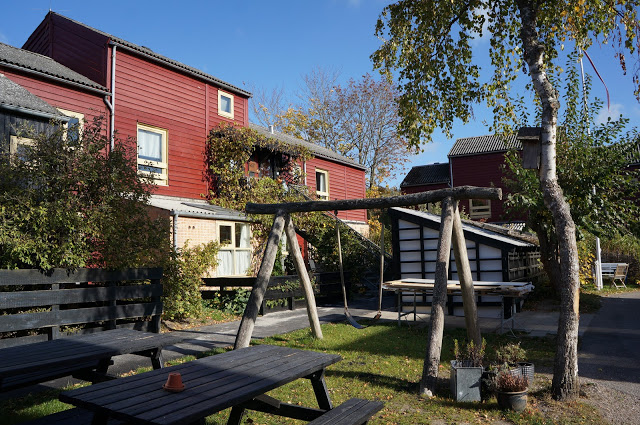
{"x":168,"y":108}
{"x":473,"y":161}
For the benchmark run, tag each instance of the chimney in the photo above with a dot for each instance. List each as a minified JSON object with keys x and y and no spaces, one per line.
{"x":271,"y":129}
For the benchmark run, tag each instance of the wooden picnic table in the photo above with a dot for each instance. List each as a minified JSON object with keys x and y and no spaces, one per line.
{"x":237,"y":379}
{"x":89,"y":354}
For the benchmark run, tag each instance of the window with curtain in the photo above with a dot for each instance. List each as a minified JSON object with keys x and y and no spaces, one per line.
{"x":152,"y":153}
{"x":234,"y":257}
{"x":225,"y":104}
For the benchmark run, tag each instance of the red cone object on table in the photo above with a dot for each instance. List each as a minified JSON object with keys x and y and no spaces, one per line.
{"x":174,"y":383}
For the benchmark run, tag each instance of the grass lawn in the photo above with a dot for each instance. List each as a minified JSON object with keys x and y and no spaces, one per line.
{"x":382,"y":362}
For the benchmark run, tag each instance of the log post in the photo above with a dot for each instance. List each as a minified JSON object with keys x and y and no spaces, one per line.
{"x":434,"y":347}
{"x":466,"y":280}
{"x":312,"y":311}
{"x":243,"y":338}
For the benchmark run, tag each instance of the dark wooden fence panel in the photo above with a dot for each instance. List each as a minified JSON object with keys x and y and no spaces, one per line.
{"x":34,"y":304}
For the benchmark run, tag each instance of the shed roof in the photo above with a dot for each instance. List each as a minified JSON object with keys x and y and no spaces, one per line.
{"x":28,"y":61}
{"x":469,"y":227}
{"x":196,"y":208}
{"x":484,"y":144}
{"x":317,"y":150}
{"x":14,"y":97}
{"x":427,"y":174}
{"x":145,"y":51}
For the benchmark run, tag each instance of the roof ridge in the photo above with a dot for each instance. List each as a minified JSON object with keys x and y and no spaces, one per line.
{"x":166,"y":59}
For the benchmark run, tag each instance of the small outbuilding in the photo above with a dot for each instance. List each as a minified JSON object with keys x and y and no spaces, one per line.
{"x":495,"y":254}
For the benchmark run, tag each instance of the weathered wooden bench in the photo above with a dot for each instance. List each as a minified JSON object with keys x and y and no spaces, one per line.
{"x":617,"y":272}
{"x":41,"y":312}
{"x":355,"y":411}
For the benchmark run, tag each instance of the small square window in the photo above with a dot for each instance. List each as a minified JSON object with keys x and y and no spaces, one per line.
{"x":479,"y":208}
{"x":322,"y":184}
{"x":152,"y":153}
{"x":225,"y":235}
{"x":225,"y":104}
{"x":74,"y":127}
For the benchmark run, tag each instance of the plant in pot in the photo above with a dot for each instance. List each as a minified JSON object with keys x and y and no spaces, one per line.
{"x":466,"y":371}
{"x":515,"y":356}
{"x":511,"y":390}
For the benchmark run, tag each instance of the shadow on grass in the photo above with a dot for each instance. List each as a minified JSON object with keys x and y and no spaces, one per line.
{"x":30,"y":406}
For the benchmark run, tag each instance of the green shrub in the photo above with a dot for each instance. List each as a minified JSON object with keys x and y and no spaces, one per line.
{"x":233,"y":302}
{"x":182,"y":280}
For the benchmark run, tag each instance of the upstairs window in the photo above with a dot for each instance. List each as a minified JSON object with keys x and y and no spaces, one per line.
{"x":479,"y":208}
{"x":152,"y":153}
{"x":73,"y":128}
{"x":322,"y":184}
{"x":234,"y":256}
{"x":225,"y":104}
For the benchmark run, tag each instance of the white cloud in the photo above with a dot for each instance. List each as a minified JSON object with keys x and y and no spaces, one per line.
{"x":614,"y":112}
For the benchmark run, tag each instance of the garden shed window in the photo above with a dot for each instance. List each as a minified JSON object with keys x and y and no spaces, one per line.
{"x":18,"y":147}
{"x":152,"y":153}
{"x":234,"y":257}
{"x":225,"y":104}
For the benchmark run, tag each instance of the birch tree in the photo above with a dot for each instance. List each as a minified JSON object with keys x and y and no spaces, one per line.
{"x":428,"y":45}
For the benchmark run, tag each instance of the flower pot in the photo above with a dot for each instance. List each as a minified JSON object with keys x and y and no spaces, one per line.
{"x":465,"y":381}
{"x":527,"y":370}
{"x":515,"y":401}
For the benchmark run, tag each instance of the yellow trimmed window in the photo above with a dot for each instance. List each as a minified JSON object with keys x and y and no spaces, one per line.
{"x":152,"y":153}
{"x":479,"y":208}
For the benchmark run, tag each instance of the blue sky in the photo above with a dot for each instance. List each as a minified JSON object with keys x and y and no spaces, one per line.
{"x":272,"y":43}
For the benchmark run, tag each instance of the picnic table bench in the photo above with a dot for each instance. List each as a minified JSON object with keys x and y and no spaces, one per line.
{"x":41,"y":306}
{"x":237,"y":379}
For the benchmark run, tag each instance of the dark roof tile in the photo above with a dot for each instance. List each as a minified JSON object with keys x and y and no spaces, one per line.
{"x":15,"y":97}
{"x":427,"y":174}
{"x":316,"y":150}
{"x":24,"y":59}
{"x":484,"y":144}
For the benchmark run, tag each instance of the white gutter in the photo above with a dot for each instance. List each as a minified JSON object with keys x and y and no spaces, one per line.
{"x":175,"y":214}
{"x":112,"y":105}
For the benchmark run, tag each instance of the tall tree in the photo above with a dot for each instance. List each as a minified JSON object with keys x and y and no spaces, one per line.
{"x":592,"y":170}
{"x":358,"y":120}
{"x":429,"y":44}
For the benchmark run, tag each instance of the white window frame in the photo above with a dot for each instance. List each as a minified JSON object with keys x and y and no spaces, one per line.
{"x":220,"y":111}
{"x":322,"y":195}
{"x":78,"y":116}
{"x":161,"y":178}
{"x":232,"y":246}
{"x":482,"y":210}
{"x":15,"y":141}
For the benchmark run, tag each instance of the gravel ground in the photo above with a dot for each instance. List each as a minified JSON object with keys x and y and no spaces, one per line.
{"x":616,"y":407}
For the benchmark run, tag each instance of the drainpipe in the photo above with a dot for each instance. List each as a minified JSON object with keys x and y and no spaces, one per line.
{"x":112,"y":105}
{"x":175,"y":216}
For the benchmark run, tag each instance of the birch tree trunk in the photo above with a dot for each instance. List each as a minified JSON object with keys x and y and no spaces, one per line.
{"x":429,"y":379}
{"x":565,"y":372}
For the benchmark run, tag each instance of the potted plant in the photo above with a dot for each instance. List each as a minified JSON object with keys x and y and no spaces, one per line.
{"x":466,"y":371}
{"x":515,"y":356}
{"x":511,"y":391}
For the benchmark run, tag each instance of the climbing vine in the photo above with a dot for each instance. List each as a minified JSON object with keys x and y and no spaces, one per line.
{"x":277,"y":177}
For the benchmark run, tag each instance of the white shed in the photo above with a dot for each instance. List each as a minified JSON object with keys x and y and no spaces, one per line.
{"x":494,"y":255}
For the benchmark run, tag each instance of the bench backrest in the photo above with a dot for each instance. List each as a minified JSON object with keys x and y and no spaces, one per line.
{"x":621,"y":271}
{"x":36,"y":305}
